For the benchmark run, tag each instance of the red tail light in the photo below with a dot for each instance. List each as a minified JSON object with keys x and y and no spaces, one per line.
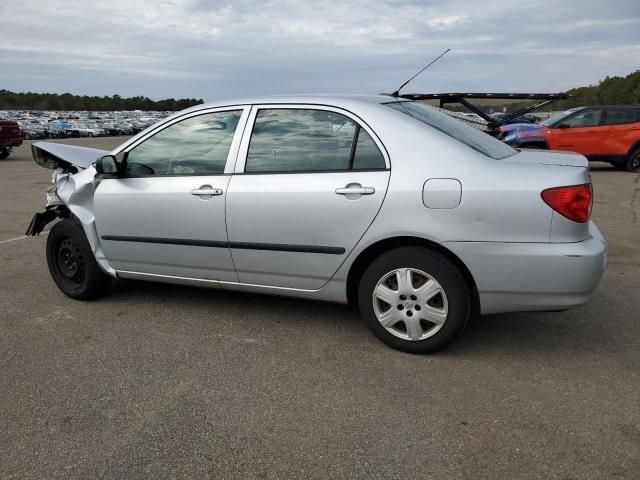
{"x":573,"y":202}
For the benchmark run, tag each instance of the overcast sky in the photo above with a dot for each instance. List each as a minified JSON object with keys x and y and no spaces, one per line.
{"x":218,"y":49}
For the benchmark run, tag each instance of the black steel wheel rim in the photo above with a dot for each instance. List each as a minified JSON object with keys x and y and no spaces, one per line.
{"x":70,"y":262}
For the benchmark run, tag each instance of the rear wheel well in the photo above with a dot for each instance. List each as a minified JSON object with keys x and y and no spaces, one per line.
{"x":633,"y":148}
{"x":373,"y":251}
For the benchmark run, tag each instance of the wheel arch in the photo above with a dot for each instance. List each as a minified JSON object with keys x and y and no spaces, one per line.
{"x":633,"y":148}
{"x":373,"y":251}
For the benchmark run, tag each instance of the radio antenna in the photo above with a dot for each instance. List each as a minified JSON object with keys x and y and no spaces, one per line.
{"x":397,"y":92}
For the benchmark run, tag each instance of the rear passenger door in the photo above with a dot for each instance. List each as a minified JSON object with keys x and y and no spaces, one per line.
{"x":624,"y":130}
{"x":309,"y":181}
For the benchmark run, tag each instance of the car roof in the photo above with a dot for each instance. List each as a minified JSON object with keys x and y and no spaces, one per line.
{"x":339,"y":100}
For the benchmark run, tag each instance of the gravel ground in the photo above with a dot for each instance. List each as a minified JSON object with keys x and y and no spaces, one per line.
{"x":158,"y":381}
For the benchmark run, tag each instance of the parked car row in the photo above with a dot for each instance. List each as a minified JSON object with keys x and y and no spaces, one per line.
{"x":40,"y":125}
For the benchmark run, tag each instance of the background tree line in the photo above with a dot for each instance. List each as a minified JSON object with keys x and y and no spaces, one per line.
{"x":66,"y":101}
{"x":610,"y":91}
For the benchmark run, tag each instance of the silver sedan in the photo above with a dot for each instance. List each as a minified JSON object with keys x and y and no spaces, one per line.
{"x":418,"y":219}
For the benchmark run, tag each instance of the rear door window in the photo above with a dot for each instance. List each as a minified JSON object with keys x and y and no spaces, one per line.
{"x":367,"y":155}
{"x":309,"y":140}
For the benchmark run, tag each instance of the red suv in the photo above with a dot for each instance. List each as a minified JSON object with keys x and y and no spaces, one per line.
{"x":606,"y":133}
{"x":10,"y":137}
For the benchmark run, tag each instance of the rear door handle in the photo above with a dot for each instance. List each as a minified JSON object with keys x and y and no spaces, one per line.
{"x":206,"y":191}
{"x":356,"y":190}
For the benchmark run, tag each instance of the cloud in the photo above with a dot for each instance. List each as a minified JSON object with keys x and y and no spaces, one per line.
{"x":200,"y":48}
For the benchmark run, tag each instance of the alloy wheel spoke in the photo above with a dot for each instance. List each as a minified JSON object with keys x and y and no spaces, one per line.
{"x":404,"y":276}
{"x":389,"y":318}
{"x":434,"y":315}
{"x":414,"y":329}
{"x":385,"y":294}
{"x":428,"y":290}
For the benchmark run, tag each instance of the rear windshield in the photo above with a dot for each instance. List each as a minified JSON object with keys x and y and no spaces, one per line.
{"x":472,"y":137}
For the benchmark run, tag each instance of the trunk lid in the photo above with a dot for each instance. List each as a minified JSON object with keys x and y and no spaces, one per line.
{"x":548,"y":157}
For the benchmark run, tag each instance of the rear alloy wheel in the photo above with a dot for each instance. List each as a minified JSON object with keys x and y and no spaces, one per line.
{"x":71,"y":262}
{"x":415,"y":315}
{"x":414,"y":299}
{"x":633,"y":164}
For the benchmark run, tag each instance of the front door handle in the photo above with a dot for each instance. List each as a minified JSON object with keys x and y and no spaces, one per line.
{"x":206,"y":191}
{"x":355,"y":189}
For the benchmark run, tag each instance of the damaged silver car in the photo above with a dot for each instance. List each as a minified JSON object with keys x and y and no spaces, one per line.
{"x":416,"y":218}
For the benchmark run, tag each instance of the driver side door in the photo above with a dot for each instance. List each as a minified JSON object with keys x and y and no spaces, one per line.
{"x":164,"y":215}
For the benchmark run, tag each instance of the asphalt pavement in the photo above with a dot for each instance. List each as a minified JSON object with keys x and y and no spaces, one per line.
{"x":166,"y":382}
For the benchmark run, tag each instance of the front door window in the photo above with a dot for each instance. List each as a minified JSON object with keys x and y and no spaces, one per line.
{"x":195,"y":146}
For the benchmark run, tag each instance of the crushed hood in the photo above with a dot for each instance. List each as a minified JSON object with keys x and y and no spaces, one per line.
{"x":60,"y":155}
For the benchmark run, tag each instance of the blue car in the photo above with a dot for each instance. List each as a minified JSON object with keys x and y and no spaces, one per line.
{"x":528,"y":135}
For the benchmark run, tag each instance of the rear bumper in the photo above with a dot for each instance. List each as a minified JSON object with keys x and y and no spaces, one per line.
{"x":513,"y":277}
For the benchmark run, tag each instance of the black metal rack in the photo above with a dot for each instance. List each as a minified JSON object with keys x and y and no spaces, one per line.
{"x":494,"y":124}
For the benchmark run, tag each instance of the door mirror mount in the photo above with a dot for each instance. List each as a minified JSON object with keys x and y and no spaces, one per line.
{"x":107,"y":165}
{"x":563,"y":125}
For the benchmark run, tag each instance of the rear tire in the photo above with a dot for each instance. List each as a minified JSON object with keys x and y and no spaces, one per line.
{"x":633,"y":164}
{"x":72,"y":265}
{"x":425,"y":308}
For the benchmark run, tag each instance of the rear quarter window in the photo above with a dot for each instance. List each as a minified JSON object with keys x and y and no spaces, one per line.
{"x":471,"y":137}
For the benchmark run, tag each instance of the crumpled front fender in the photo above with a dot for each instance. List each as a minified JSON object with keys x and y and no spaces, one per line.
{"x":76,"y":191}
